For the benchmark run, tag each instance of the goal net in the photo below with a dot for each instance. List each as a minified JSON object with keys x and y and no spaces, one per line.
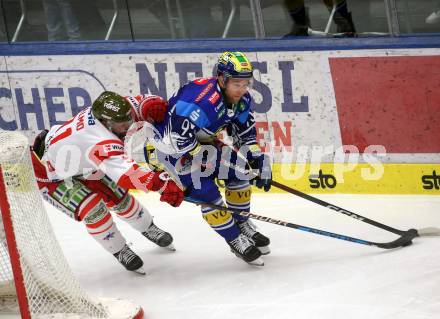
{"x":35,"y":277}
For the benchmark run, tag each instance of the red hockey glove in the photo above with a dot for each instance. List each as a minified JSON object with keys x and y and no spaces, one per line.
{"x":153,"y":109}
{"x":170,"y":192}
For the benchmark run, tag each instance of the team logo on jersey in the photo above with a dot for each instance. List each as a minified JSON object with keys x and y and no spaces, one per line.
{"x":194,"y":115}
{"x":214,"y":97}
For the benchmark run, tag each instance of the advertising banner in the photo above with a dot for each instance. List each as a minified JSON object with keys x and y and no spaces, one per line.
{"x":347,"y":111}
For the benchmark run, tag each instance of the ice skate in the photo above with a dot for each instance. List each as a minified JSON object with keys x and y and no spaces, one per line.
{"x":159,"y":237}
{"x":243,"y":248}
{"x":249,"y":229}
{"x":130,"y":260}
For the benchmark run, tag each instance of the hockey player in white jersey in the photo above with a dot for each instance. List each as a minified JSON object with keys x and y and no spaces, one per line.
{"x":82,"y":169}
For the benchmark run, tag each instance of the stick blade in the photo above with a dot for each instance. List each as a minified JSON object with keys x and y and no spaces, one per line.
{"x":402,"y":241}
{"x":429,"y":231}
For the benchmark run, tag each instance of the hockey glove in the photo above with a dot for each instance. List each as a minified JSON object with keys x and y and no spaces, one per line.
{"x":39,"y":145}
{"x":260,"y":162}
{"x":170,"y":192}
{"x":153,"y":109}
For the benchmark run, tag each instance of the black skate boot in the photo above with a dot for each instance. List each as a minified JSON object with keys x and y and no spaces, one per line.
{"x":243,"y":248}
{"x":130,"y":260}
{"x":250,"y":231}
{"x":159,"y":237}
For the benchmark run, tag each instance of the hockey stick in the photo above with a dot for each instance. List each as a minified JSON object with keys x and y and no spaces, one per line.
{"x":400,"y":242}
{"x":405,"y":236}
{"x":405,"y":239}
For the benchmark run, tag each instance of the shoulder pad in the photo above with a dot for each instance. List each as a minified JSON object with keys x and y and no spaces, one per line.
{"x":193,"y":112}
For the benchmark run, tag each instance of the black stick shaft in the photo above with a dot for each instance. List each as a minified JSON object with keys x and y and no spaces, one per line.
{"x":317,"y":200}
{"x":336,"y":208}
{"x":394,"y":244}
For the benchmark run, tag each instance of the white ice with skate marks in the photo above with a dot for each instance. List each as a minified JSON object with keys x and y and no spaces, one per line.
{"x":306,"y":276}
{"x":115,"y":308}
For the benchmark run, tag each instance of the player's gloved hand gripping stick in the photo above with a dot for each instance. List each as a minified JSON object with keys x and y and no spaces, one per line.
{"x":169,"y":191}
{"x":405,"y":238}
{"x":261,"y":163}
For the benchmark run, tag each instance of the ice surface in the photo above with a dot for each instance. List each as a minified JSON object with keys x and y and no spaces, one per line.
{"x":306,"y":276}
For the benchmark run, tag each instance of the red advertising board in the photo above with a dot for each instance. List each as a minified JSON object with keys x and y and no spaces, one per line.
{"x":389,"y":101}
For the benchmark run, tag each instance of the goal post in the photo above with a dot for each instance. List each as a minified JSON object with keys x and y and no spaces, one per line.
{"x":35,"y":277}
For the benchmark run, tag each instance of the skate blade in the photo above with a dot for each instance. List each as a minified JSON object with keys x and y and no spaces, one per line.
{"x":257,"y":262}
{"x":170,"y":247}
{"x":264,"y":250}
{"x":140,"y":271}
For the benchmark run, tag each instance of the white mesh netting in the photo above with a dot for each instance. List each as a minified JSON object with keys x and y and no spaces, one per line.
{"x":50,"y":285}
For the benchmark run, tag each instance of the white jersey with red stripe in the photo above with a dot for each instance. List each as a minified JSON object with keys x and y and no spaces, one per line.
{"x":82,"y":146}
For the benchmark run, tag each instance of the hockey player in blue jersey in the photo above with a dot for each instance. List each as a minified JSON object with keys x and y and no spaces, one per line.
{"x":196,"y":114}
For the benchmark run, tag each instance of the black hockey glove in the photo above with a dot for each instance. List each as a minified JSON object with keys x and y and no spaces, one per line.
{"x":261,"y":162}
{"x":39,"y":143}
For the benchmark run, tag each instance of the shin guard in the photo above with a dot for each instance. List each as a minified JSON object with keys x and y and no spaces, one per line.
{"x":99,"y":223}
{"x":238,"y":196}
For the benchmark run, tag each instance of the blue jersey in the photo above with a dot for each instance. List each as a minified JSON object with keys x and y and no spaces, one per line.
{"x":198,"y":112}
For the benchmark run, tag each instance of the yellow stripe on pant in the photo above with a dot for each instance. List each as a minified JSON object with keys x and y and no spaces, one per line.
{"x":217,"y":218}
{"x":238,"y":198}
